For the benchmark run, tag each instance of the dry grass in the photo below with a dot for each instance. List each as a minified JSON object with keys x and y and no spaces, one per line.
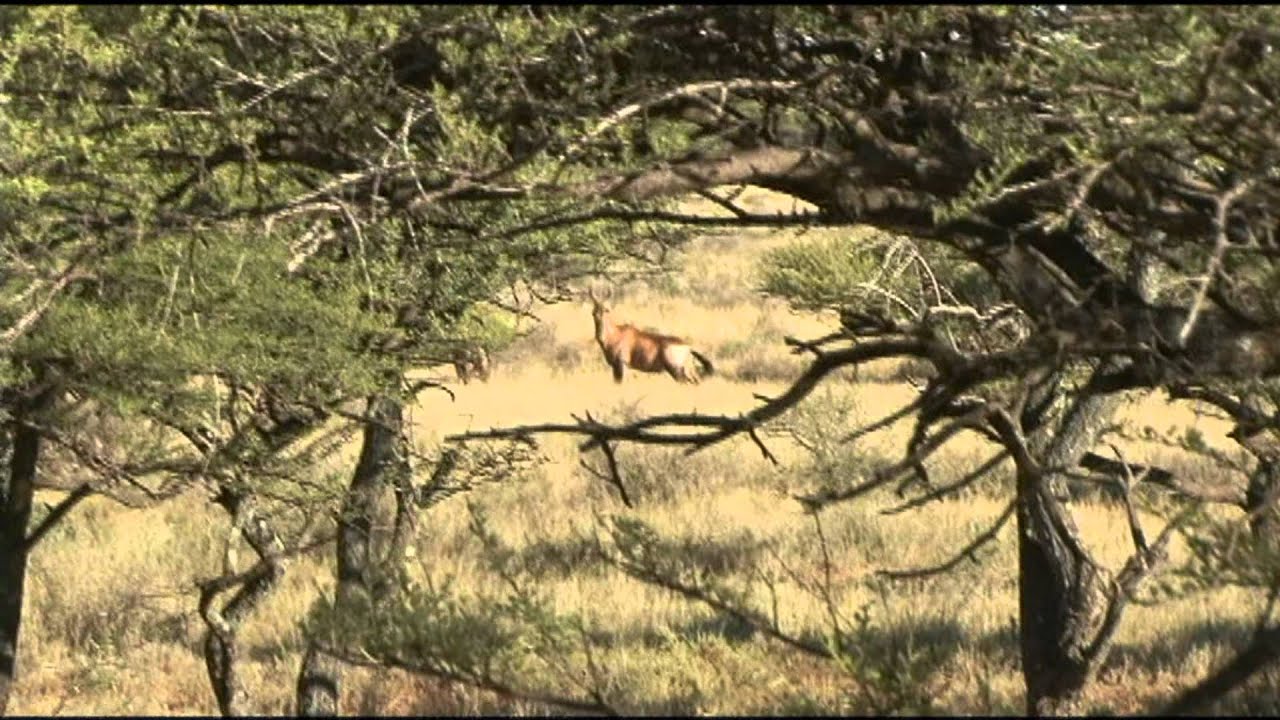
{"x":111,"y":627}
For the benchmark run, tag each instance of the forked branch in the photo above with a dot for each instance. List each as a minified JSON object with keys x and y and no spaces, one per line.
{"x":712,"y":428}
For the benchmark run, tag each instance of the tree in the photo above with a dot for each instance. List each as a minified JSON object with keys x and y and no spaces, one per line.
{"x":379,"y":174}
{"x":1044,"y":145}
{"x":202,"y":247}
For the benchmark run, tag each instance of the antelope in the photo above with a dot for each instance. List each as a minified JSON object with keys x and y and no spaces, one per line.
{"x":471,"y":361}
{"x":627,"y":346}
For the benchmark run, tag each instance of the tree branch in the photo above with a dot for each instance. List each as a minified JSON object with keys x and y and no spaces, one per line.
{"x":718,"y":427}
{"x":969,"y":551}
{"x":56,"y":514}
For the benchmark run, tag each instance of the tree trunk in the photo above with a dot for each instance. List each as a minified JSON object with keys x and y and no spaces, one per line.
{"x":381,"y":466}
{"x":15,"y":516}
{"x":1058,"y":598}
{"x":1264,"y":522}
{"x":221,"y":648}
{"x":382,"y":458}
{"x":318,"y":684}
{"x":1060,"y":594}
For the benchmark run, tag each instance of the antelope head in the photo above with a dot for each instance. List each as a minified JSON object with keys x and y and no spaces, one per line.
{"x":598,"y":311}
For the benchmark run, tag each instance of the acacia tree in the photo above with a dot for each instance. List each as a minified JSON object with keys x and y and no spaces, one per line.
{"x":402,"y":163}
{"x":1045,"y":146}
{"x":212,"y":240}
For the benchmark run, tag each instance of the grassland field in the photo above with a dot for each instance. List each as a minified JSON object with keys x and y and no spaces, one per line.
{"x":111,"y":626}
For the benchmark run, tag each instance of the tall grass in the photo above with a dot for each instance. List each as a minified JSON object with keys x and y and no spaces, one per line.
{"x":111,"y":625}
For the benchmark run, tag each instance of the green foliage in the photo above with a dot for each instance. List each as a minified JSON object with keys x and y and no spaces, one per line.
{"x":176,"y":308}
{"x":889,"y":677}
{"x":823,"y":273}
{"x":200,"y":205}
{"x":888,"y":274}
{"x":488,"y":638}
{"x":491,"y":635}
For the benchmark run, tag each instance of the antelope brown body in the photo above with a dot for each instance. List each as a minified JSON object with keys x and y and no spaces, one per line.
{"x":471,"y":362}
{"x":627,"y":346}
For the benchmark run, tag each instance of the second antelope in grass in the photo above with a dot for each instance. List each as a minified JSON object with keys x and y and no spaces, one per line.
{"x":471,"y":362}
{"x":627,"y":346}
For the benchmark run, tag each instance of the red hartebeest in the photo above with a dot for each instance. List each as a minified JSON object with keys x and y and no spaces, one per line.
{"x":471,"y":362}
{"x":627,"y":346}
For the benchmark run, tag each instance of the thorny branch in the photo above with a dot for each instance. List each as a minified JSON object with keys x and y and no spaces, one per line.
{"x":614,"y":475}
{"x":911,"y":462}
{"x":967,"y":552}
{"x":480,"y":681}
{"x":1224,"y":204}
{"x":719,"y":428}
{"x":693,"y":592}
{"x":944,"y":490}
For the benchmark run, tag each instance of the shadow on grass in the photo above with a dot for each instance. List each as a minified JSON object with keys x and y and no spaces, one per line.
{"x":1224,"y":638}
{"x":1169,"y":651}
{"x":564,"y":557}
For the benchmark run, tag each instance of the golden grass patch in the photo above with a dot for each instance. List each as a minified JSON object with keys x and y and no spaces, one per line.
{"x":111,"y":625}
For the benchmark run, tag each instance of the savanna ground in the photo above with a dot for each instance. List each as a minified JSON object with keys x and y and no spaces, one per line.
{"x":112,"y":628}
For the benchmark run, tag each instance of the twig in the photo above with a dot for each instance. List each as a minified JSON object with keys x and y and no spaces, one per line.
{"x":887,"y":420}
{"x":33,"y":315}
{"x":1135,"y":526}
{"x":684,"y":91}
{"x":614,"y":476}
{"x":943,"y":491}
{"x":1139,"y":567}
{"x":817,"y":501}
{"x":56,"y":514}
{"x":969,"y":551}
{"x":764,"y":450}
{"x":746,"y":617}
{"x":1224,"y":204}
{"x":476,"y":680}
{"x":828,"y":599}
{"x":814,"y":346}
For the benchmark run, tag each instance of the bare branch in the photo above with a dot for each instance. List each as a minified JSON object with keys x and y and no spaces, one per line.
{"x":969,"y":551}
{"x":56,"y":514}
{"x":24,"y":323}
{"x":1141,"y":565}
{"x":480,"y":681}
{"x":1135,"y":526}
{"x":945,"y":490}
{"x":926,"y":448}
{"x":804,"y":219}
{"x":614,"y":476}
{"x":723,"y":87}
{"x":1224,"y":204}
{"x":718,"y":427}
{"x":764,"y":165}
{"x":745,"y":616}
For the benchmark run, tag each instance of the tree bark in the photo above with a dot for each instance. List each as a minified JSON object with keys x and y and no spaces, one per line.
{"x":318,"y":688}
{"x":1057,"y":598}
{"x":381,"y":459}
{"x":1060,"y":594}
{"x":1254,"y":434}
{"x":1260,"y":503}
{"x":221,"y":644}
{"x":381,"y":466}
{"x":15,"y":516}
